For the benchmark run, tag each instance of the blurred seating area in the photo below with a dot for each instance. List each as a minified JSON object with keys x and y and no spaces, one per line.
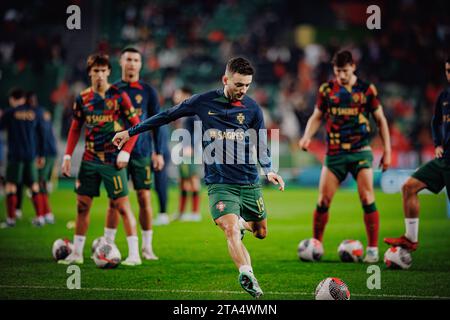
{"x":289,"y":42}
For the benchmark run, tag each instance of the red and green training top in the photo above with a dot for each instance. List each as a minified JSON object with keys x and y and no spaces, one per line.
{"x":347,"y":115}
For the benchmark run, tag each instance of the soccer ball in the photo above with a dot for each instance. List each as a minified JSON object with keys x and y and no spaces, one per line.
{"x":350,"y":251}
{"x":61,"y":249}
{"x":310,"y":250}
{"x":397,"y":258}
{"x":107,"y":256}
{"x":98,"y":241}
{"x":332,"y":289}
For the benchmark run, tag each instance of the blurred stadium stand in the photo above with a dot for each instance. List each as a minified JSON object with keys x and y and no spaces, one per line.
{"x":289,"y":42}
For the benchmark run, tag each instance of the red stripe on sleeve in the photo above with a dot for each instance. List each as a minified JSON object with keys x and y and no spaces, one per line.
{"x":74,"y":136}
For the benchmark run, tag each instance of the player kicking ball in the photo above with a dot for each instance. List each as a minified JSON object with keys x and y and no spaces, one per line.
{"x":434,"y":175}
{"x":233,"y":188}
{"x":102,"y":108}
{"x":346,"y":103}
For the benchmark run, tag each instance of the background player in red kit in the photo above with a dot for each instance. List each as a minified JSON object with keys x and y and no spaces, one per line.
{"x":346,"y":103}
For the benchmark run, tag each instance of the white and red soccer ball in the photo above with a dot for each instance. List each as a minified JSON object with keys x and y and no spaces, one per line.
{"x":332,"y":289}
{"x":351,"y":251}
{"x":397,"y":258}
{"x":107,"y":256}
{"x":310,"y":250}
{"x":61,"y":249}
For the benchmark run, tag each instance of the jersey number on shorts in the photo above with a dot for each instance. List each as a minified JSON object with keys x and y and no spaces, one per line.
{"x":118,"y":186}
{"x":148,"y":177}
{"x":260,"y":204}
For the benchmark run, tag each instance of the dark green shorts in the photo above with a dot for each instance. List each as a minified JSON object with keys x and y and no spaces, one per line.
{"x":45,"y":174}
{"x":341,"y":165}
{"x":21,"y":172}
{"x":243,"y":200}
{"x":92,"y":174}
{"x":435,"y":174}
{"x":140,"y":170}
{"x":188,"y":170}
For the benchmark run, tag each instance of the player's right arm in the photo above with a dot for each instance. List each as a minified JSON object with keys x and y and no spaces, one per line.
{"x":74,"y":136}
{"x":315,"y":120}
{"x":312,"y":126}
{"x":186,"y":108}
{"x":436,"y":128}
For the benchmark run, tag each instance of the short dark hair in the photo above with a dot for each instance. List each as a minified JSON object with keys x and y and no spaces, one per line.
{"x":129,"y":49}
{"x":187,"y":89}
{"x":97,"y":59}
{"x":16,"y":93}
{"x":342,"y":58}
{"x":240,"y":65}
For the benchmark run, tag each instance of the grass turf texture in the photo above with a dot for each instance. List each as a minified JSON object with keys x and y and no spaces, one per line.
{"x":194,"y":261}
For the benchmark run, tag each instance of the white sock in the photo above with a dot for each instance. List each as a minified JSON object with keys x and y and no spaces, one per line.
{"x":78,"y":244}
{"x":245,"y":268}
{"x":133,"y":247}
{"x":372,"y":249}
{"x":412,"y":228}
{"x":110,"y":235}
{"x":147,"y":236}
{"x":10,"y":220}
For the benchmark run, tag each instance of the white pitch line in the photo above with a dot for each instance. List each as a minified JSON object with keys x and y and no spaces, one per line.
{"x":298,"y":293}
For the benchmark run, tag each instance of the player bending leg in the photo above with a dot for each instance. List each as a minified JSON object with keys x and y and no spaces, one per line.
{"x":433,"y":175}
{"x":346,"y":104}
{"x":102,"y":107}
{"x":233,"y":188}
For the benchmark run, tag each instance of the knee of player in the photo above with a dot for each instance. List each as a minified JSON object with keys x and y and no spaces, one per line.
{"x":324,"y":201}
{"x":408,"y":188}
{"x":10,"y":188}
{"x":231,"y":230}
{"x":35,"y":187}
{"x":82,"y":208}
{"x":367,"y":198}
{"x":113,"y":205}
{"x":143,"y":198}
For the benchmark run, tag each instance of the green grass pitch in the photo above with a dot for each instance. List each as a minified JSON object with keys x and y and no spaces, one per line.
{"x":194,"y":261}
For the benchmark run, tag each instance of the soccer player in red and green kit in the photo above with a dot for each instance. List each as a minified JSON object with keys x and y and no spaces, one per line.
{"x":103,"y":109}
{"x":346,"y":103}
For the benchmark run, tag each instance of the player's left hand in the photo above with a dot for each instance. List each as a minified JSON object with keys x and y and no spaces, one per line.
{"x":120,"y":138}
{"x":157,"y":161}
{"x":385,"y":161}
{"x":276,"y":179}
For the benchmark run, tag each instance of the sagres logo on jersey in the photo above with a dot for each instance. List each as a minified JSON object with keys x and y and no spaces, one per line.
{"x":240,"y":117}
{"x":138,"y":98}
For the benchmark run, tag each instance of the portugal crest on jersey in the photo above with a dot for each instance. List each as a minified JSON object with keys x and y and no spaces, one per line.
{"x":240,"y":117}
{"x":109,"y":103}
{"x":138,"y":98}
